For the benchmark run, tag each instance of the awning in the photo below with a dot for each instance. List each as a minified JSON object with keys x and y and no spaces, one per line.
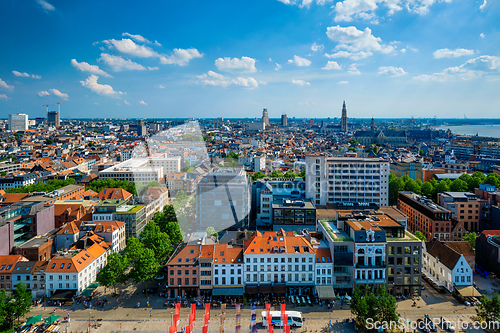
{"x":267,"y":289}
{"x":62,"y":295}
{"x":227,"y":291}
{"x":325,"y":292}
{"x":33,"y":320}
{"x":94,"y":285}
{"x":52,"y":318}
{"x":469,"y":291}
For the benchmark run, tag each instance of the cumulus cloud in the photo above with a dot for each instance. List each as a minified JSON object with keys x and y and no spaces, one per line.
{"x":3,"y":96}
{"x":301,"y":82}
{"x":181,"y":57}
{"x":24,"y":74}
{"x":101,"y":89}
{"x":118,"y":63}
{"x":299,"y":61}
{"x":402,"y":50}
{"x":161,"y":86}
{"x":58,"y":93}
{"x":125,"y":101}
{"x":43,"y":93}
{"x":446,"y":53}
{"x":243,"y":64}
{"x":353,"y":69}
{"x":330,"y":65}
{"x":4,"y":85}
{"x":351,"y":55}
{"x":137,"y":38}
{"x":317,"y":48}
{"x":142,"y":103}
{"x":343,"y":82}
{"x":354,"y":40}
{"x":212,"y":78}
{"x":128,"y":46}
{"x":45,"y":5}
{"x":473,"y":68}
{"x":278,"y":67}
{"x":153,"y":68}
{"x":483,"y":6}
{"x":481,"y":35}
{"x":303,"y":3}
{"x":86,"y":67}
{"x":391,"y":70}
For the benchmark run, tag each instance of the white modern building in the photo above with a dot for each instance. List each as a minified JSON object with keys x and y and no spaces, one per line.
{"x":18,"y":122}
{"x":345,"y":179}
{"x":134,"y":170}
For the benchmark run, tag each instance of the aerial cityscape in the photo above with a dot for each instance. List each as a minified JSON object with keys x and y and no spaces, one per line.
{"x":289,"y":165}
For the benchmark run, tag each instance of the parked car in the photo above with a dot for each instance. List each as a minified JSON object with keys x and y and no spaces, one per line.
{"x":447,"y":325}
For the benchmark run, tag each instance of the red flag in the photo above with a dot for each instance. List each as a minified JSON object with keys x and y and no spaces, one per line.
{"x":269,"y":322}
{"x":205,"y":329}
{"x":188,"y":329}
{"x":193,"y":311}
{"x":207,"y":319}
{"x":207,"y":310}
{"x":190,"y":319}
{"x":285,"y":322}
{"x":283,"y":308}
{"x":172,"y":329}
{"x":268,"y":308}
{"x":178,"y":308}
{"x":287,"y":329}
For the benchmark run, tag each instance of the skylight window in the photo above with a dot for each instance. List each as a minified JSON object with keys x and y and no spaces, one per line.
{"x":53,"y":266}
{"x":69,"y":265}
{"x":62,"y":266}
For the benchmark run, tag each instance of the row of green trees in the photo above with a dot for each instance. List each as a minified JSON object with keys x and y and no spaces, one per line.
{"x":278,"y":174}
{"x":432,"y":188}
{"x":98,"y":184}
{"x":14,"y":306}
{"x":144,"y":255}
{"x":368,"y":306}
{"x":49,"y":186}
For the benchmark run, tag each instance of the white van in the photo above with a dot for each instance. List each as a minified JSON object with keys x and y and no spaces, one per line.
{"x":294,"y":318}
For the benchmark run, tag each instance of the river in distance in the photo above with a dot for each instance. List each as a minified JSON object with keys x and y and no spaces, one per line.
{"x":489,"y":131}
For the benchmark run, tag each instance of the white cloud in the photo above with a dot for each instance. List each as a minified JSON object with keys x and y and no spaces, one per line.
{"x":45,"y":5}
{"x":278,"y":67}
{"x":86,"y":67}
{"x":16,"y":73}
{"x":332,"y":65}
{"x":101,"y":89}
{"x":301,"y":82}
{"x":402,"y":50}
{"x":3,"y":96}
{"x":4,"y":85}
{"x":153,"y":68}
{"x":161,"y":86}
{"x":299,"y":61}
{"x":118,"y":63}
{"x":391,"y":70}
{"x":58,"y":93}
{"x":137,"y":38}
{"x":471,"y":69}
{"x":215,"y":79}
{"x":481,"y":35}
{"x":353,"y":55}
{"x":343,"y":82}
{"x":483,"y":6}
{"x":128,"y":46}
{"x":181,"y":57}
{"x":142,"y":103}
{"x":125,"y":101}
{"x":317,"y":48}
{"x":245,"y":64}
{"x":446,"y":53}
{"x":354,"y":40}
{"x":353,"y":70}
{"x":43,"y":93}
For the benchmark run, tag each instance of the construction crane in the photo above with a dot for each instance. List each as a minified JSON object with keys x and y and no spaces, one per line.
{"x":60,"y":106}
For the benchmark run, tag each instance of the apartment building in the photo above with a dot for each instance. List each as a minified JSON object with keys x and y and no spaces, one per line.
{"x":205,"y":265}
{"x":447,"y":265}
{"x":74,"y":269}
{"x":344,"y":179}
{"x":425,"y":216}
{"x":113,"y":232}
{"x":464,"y":207}
{"x":183,"y":271}
{"x":134,"y":216}
{"x":7,"y":264}
{"x":18,"y":181}
{"x":324,"y":266}
{"x":293,"y":214}
{"x":227,"y":270}
{"x":279,"y":262}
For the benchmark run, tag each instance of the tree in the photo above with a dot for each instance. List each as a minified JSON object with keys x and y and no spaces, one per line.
{"x":303,"y":174}
{"x":420,"y":236}
{"x":427,"y":189}
{"x":471,"y":238}
{"x":133,"y":249}
{"x":459,"y":185}
{"x":169,"y":213}
{"x":379,"y":306}
{"x":489,"y":309}
{"x":412,"y":186}
{"x":289,"y":174}
{"x":49,"y":141}
{"x":385,"y":306}
{"x":174,"y":232}
{"x":3,"y":310}
{"x":492,"y":179}
{"x":210,"y":231}
{"x":233,"y":155}
{"x":442,"y":186}
{"x":353,"y":142}
{"x":114,"y":271}
{"x":18,"y":304}
{"x":258,"y":175}
{"x":146,"y":267}
{"x":276,"y":174}
{"x":396,"y":184}
{"x":155,"y":240}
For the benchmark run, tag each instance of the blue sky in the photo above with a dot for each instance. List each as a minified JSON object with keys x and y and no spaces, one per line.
{"x":119,"y":59}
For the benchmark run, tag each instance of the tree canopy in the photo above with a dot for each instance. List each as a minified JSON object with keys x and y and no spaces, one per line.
{"x":99,"y":184}
{"x":489,"y":309}
{"x":49,"y":186}
{"x":379,"y":306}
{"x":420,"y":235}
{"x":471,"y":238}
{"x":114,"y":271}
{"x":15,"y":305}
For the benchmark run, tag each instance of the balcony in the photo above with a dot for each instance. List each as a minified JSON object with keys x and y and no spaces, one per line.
{"x":370,"y":281}
{"x":374,"y":265}
{"x":342,"y":273}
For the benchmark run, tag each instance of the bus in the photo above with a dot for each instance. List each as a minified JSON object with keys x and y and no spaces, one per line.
{"x":294,"y":318}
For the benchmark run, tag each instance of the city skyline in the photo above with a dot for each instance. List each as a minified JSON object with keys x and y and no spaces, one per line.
{"x":302,"y":58}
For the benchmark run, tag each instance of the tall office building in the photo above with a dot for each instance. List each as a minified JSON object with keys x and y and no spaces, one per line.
{"x":284,"y":120}
{"x":343,"y":122}
{"x":265,"y":117}
{"x":347,"y":179}
{"x":141,"y":127}
{"x":18,"y":122}
{"x":53,"y":118}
